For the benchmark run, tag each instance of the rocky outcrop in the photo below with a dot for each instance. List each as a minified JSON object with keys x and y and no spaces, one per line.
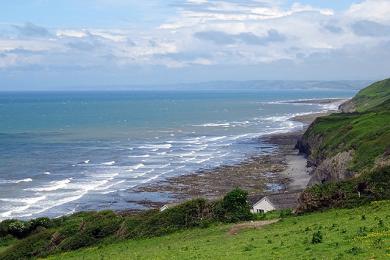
{"x":333,"y":169}
{"x":347,"y":107}
{"x":325,"y":168}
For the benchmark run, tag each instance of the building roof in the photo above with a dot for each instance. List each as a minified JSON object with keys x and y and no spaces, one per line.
{"x":168,"y":206}
{"x":285,"y":200}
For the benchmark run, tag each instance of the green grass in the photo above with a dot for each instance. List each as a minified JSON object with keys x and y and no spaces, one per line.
{"x":372,"y":96}
{"x":367,"y":134}
{"x":360,"y":233}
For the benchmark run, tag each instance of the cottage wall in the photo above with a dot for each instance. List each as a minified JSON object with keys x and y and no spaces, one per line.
{"x":262,"y":206}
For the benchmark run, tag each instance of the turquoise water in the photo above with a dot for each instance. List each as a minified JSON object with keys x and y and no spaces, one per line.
{"x":68,"y":151}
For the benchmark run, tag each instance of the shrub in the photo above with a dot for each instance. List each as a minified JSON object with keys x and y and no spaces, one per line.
{"x":31,"y":247}
{"x":41,"y":222}
{"x":19,"y":229}
{"x":189,"y":214}
{"x":317,"y":237}
{"x":374,"y":185}
{"x":234,"y":207}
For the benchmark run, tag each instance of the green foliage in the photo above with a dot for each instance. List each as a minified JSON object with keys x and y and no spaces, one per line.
{"x":234,"y":207}
{"x":374,"y":185}
{"x":317,"y":237}
{"x":19,"y":229}
{"x":372,"y":96}
{"x":32,"y":246}
{"x":86,"y":229}
{"x":366,"y":134}
{"x":282,"y":240}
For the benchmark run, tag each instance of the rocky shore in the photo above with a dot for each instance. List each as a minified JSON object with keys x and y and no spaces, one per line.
{"x":282,"y":170}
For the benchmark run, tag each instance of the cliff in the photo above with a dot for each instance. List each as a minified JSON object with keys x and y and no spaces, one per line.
{"x":354,"y":143}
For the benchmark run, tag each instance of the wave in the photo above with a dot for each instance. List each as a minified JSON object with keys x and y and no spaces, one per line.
{"x":15,"y":181}
{"x":109,"y":163}
{"x":53,"y":185}
{"x":139,"y":156}
{"x":26,"y":203}
{"x":136,"y":167}
{"x":156,"y":146}
{"x":214,"y":125}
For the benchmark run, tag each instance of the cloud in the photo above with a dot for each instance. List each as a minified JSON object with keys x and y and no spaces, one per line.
{"x":223,"y":38}
{"x":31,"y":30}
{"x":369,"y":28}
{"x":261,"y":34}
{"x":333,"y":28}
{"x":374,"y":10}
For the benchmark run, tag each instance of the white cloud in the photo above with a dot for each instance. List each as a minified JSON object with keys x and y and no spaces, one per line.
{"x":206,"y":33}
{"x":376,"y":10}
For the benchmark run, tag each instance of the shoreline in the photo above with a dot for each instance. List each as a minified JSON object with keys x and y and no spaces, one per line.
{"x":284,"y":169}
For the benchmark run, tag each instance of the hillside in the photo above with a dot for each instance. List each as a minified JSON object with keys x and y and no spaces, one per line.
{"x":350,"y":147}
{"x":368,"y":98}
{"x":360,"y":233}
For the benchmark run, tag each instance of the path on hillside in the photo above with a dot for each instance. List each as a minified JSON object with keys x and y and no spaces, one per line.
{"x":250,"y":225}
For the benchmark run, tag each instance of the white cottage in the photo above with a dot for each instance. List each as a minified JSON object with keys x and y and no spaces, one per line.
{"x":276,"y":201}
{"x":168,"y":206}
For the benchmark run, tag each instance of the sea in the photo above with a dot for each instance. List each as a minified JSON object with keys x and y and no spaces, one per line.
{"x":62,"y":152}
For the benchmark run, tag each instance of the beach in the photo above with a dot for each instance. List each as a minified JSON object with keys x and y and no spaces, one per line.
{"x":284,"y":169}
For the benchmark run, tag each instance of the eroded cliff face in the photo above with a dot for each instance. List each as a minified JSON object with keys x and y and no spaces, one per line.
{"x":330,"y":169}
{"x":347,"y":107}
{"x":333,"y":169}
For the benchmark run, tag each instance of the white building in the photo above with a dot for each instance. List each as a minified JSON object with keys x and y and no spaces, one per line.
{"x":168,"y":206}
{"x":276,"y":201}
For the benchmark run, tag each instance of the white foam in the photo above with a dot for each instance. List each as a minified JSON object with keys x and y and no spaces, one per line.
{"x":47,"y":173}
{"x":26,"y":204}
{"x":52,"y":186}
{"x":15,"y":181}
{"x":214,"y":125}
{"x":109,"y":163}
{"x":139,"y":156}
{"x":156,"y":146}
{"x":136,"y":167}
{"x":86,"y":161}
{"x":213,"y":139}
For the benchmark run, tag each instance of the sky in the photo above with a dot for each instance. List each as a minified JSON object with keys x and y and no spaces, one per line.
{"x":61,"y":44}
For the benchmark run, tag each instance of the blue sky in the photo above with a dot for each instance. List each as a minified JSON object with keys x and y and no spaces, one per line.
{"x":58,"y":44}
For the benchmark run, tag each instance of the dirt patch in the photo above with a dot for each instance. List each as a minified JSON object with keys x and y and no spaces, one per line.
{"x":250,"y":225}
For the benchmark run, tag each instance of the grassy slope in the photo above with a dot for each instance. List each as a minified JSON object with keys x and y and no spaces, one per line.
{"x":372,"y":96}
{"x":360,"y":233}
{"x":366,"y":132}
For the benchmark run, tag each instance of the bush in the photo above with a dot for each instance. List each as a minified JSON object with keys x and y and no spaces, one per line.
{"x":41,"y":222}
{"x":374,"y":185}
{"x":19,"y":229}
{"x":317,"y":237}
{"x":234,"y":207}
{"x":192,"y":213}
{"x":34,"y":246}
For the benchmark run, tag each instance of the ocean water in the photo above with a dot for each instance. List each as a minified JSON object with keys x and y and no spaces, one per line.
{"x":62,"y":152}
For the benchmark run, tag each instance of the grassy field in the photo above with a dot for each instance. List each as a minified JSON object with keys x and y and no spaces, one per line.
{"x":360,"y":233}
{"x":372,"y":96}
